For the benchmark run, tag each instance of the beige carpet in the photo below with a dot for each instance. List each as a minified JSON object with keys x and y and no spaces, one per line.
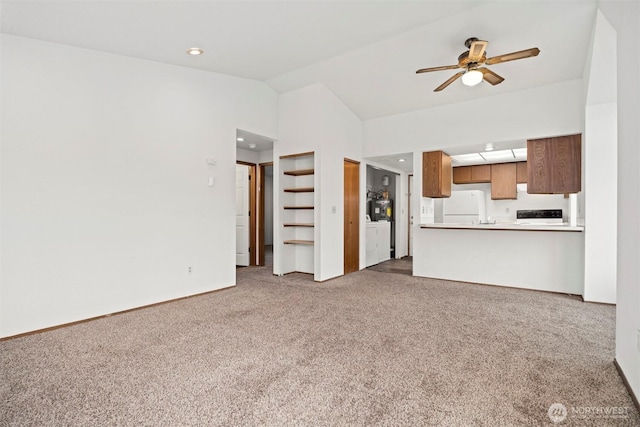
{"x":368,"y":349}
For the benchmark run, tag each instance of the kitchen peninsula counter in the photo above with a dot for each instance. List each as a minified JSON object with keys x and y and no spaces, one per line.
{"x":506,"y":226}
{"x":542,"y":257}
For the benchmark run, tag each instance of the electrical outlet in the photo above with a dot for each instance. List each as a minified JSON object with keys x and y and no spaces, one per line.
{"x":190,"y":269}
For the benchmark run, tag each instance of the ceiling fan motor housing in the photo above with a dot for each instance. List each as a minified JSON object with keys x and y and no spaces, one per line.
{"x":467,"y":42}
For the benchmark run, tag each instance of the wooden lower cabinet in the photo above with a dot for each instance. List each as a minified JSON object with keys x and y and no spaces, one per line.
{"x":503,"y":181}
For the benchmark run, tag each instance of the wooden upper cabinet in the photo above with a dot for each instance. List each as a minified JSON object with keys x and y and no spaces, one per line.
{"x":521,"y":172}
{"x":554,"y":165}
{"x":436,"y":174}
{"x":480,"y":173}
{"x":462,"y":175}
{"x":503,"y":181}
{"x":472,"y":174}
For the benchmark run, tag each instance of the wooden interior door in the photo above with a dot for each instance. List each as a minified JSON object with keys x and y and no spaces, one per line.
{"x":351,"y":216}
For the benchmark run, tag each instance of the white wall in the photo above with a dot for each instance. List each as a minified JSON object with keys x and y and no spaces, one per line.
{"x":600,"y":203}
{"x":625,"y":19}
{"x":544,"y":111}
{"x":600,"y":166}
{"x":105,"y":202}
{"x":247,"y":156}
{"x":314,"y":119}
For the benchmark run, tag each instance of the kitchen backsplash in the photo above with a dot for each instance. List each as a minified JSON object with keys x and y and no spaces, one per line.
{"x":501,"y":210}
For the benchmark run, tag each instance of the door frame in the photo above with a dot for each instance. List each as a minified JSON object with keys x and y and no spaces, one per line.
{"x":409,"y":222}
{"x":252,"y":210}
{"x":260,"y":216}
{"x":357,"y":226}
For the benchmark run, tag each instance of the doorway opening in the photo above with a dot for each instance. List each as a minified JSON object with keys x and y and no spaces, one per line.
{"x":245,"y":214}
{"x":265,"y":214}
{"x":254,"y":206}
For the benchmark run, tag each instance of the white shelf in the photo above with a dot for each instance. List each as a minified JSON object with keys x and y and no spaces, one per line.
{"x":298,"y":215}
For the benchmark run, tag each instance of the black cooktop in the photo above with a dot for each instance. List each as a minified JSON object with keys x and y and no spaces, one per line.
{"x":539,"y":213}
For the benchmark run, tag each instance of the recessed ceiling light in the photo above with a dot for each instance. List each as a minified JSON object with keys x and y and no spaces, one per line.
{"x":252,"y":145}
{"x":401,"y":160}
{"x":239,"y":139}
{"x":195,"y":51}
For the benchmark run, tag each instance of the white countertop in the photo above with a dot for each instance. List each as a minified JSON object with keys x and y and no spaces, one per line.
{"x":505,"y":226}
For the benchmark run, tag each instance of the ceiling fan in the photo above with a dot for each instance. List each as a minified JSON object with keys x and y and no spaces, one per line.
{"x":472,"y":60}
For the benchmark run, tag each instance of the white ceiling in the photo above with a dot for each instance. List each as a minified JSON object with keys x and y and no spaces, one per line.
{"x":252,"y":142}
{"x":366,"y":52}
{"x":393,"y":162}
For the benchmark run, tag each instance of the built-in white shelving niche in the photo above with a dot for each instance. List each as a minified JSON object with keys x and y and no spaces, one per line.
{"x":298,"y":216}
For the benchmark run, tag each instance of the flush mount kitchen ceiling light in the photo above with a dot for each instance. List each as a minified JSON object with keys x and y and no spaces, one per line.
{"x":472,"y":78}
{"x":240,"y":139}
{"x":401,"y":160}
{"x":502,"y":155}
{"x":520,"y":153}
{"x":195,"y":51}
{"x":467,"y":158}
{"x":252,"y":145}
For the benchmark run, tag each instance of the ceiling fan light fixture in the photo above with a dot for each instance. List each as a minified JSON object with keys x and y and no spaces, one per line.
{"x":472,"y":77}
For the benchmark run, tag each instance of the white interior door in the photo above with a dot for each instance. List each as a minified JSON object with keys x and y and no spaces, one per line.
{"x":410,"y":216}
{"x":242,"y":215}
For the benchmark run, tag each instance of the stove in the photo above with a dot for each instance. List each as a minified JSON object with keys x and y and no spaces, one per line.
{"x":539,"y":216}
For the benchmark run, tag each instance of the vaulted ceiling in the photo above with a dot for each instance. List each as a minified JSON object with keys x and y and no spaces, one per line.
{"x":366,"y":52}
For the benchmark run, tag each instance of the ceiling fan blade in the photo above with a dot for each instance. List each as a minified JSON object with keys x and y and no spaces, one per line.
{"x":476,"y":51}
{"x":452,"y":79}
{"x":445,"y":67}
{"x":527,"y":53}
{"x":490,"y":77}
